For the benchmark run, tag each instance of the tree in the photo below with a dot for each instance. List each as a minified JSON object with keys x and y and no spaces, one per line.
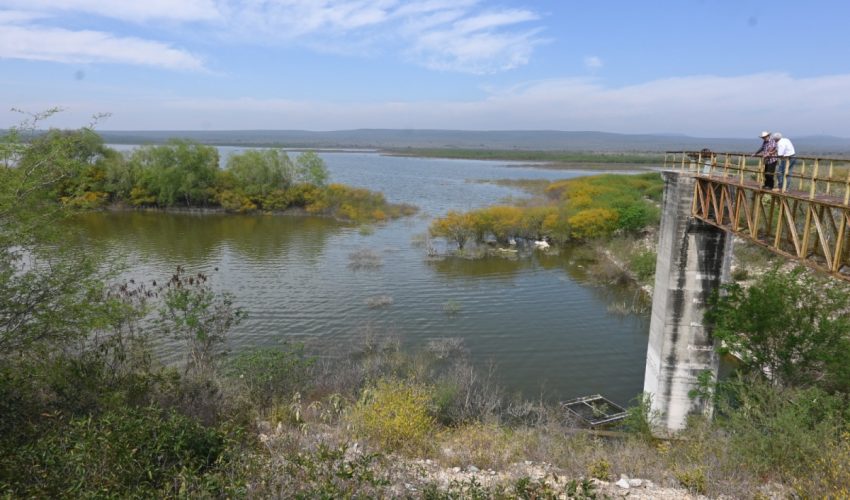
{"x":49,"y":293}
{"x":788,"y":325}
{"x":455,"y":226}
{"x":312,"y":169}
{"x":258,"y":172}
{"x":178,"y":172}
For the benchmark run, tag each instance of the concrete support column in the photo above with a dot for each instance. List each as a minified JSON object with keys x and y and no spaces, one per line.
{"x":693,"y":260}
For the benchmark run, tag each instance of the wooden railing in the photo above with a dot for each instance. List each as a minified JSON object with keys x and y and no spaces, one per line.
{"x":808,"y":220}
{"x":827,"y":178}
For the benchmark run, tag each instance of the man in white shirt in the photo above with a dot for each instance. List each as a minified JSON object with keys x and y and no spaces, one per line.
{"x":785,"y":152}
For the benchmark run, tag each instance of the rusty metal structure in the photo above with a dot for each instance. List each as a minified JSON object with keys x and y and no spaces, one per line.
{"x":808,"y":220}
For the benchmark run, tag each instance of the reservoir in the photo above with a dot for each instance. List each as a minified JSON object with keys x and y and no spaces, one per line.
{"x":544,"y":326}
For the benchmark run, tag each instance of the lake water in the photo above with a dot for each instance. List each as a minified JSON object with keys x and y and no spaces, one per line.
{"x":539,"y":319}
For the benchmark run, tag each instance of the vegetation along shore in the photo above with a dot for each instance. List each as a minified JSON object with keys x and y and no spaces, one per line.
{"x":87,"y":410}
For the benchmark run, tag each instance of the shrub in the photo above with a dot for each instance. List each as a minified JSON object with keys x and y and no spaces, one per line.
{"x":593,"y":223}
{"x":307,"y":196}
{"x":123,"y":453}
{"x":636,"y":216}
{"x":141,"y":197}
{"x":556,"y":227}
{"x":640,"y":419}
{"x":193,"y":313}
{"x":271,"y":375}
{"x":693,"y":479}
{"x":470,"y":489}
{"x":533,"y":221}
{"x":455,"y":227}
{"x":830,"y":475}
{"x":395,"y":414}
{"x":234,"y":201}
{"x":740,"y":274}
{"x":780,"y":429}
{"x":787,"y":324}
{"x":87,"y":200}
{"x":643,"y":265}
{"x":600,"y":469}
{"x":330,"y":473}
{"x":501,"y":222}
{"x":277,"y":199}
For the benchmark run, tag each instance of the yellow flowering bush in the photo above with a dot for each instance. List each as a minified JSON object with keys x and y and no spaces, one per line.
{"x":396,"y":414}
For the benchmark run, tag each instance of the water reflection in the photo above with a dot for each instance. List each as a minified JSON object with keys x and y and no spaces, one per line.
{"x":499,"y":268}
{"x":194,"y":238}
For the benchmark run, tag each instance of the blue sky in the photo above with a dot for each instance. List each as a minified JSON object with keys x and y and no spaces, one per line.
{"x":707,"y":68}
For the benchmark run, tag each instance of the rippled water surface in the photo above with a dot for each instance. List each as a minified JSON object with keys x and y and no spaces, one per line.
{"x":543,"y":325}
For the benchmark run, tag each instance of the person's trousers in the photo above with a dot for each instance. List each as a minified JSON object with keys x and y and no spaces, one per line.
{"x":769,"y":169}
{"x":783,"y":173}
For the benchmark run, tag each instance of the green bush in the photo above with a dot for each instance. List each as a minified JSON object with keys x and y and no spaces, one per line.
{"x":789,"y":324}
{"x":271,"y":375}
{"x":783,"y":430}
{"x":637,"y":216}
{"x":643,"y":265}
{"x":693,"y":479}
{"x":330,"y":473}
{"x":122,"y":453}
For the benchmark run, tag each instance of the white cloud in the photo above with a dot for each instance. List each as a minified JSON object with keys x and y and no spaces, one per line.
{"x":707,"y":106}
{"x":126,"y":10}
{"x":477,"y":44}
{"x":456,"y":36}
{"x":460,"y":35}
{"x":592,"y":62}
{"x":60,"y":45}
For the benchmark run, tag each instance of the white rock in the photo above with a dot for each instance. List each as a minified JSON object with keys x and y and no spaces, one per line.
{"x":473,"y":468}
{"x":455,"y":469}
{"x":635,"y":483}
{"x":623,"y":483}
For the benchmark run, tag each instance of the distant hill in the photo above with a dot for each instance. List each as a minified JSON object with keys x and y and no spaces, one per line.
{"x":540,"y":140}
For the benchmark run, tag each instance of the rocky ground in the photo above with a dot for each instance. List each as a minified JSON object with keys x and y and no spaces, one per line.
{"x":625,"y":486}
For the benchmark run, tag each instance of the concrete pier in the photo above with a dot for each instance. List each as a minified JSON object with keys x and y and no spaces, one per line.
{"x":693,"y":260}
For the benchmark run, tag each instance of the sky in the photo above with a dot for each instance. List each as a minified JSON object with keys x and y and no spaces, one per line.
{"x":704,"y":68}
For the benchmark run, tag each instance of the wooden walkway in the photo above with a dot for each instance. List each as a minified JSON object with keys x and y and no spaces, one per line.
{"x":809,"y":221}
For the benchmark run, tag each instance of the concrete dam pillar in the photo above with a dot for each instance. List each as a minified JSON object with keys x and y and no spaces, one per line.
{"x":693,"y":260}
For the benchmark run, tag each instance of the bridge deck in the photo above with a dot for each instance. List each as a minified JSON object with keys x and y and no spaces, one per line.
{"x":808,"y":221}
